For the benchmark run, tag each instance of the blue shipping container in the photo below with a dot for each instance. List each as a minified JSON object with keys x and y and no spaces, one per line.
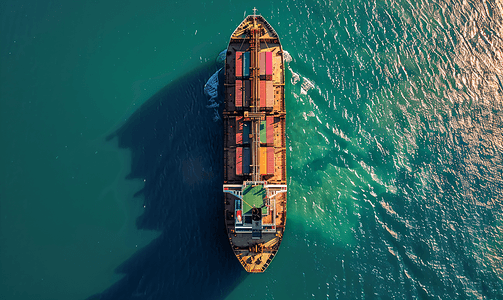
{"x":246,"y":160}
{"x":246,"y":64}
{"x":246,"y":132}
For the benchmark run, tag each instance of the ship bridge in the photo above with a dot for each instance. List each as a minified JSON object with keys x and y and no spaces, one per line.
{"x":254,"y":206}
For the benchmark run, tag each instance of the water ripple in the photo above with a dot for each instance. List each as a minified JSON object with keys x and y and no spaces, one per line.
{"x":399,"y":146}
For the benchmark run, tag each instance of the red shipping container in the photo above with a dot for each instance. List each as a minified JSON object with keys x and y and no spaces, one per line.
{"x":239,"y":130}
{"x":262,"y":93}
{"x":239,"y":93}
{"x":270,"y":160}
{"x":239,"y":64}
{"x":239,"y":161}
{"x":261,"y":57}
{"x":268,"y":63}
{"x":270,"y":129}
{"x":269,"y":91}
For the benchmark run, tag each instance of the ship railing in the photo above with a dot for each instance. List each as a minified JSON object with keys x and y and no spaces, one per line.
{"x":232,"y":185}
{"x":254,"y":182}
{"x":246,"y":230}
{"x":274,"y":193}
{"x":282,"y":186}
{"x":259,"y":182}
{"x":234,"y":189}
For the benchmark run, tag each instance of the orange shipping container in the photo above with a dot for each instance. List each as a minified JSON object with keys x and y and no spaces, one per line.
{"x":263,"y":160}
{"x":239,"y":161}
{"x":239,"y":130}
{"x":270,"y":160}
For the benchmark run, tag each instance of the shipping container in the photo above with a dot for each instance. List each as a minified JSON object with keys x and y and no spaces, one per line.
{"x":270,"y":160}
{"x":239,"y":130}
{"x":269,"y":93}
{"x":239,"y":93}
{"x":246,"y":132}
{"x":263,"y":134}
{"x":239,"y":161}
{"x":239,"y":63}
{"x":262,"y":94}
{"x":246,"y":64}
{"x":246,"y":160}
{"x":268,"y":63}
{"x":247,"y":94}
{"x":263,"y":160}
{"x":270,"y":129}
{"x":262,"y":63}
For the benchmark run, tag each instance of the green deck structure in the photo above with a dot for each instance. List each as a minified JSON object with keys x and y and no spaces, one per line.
{"x":253,"y":196}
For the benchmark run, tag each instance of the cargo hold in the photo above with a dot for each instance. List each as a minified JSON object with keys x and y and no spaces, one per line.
{"x":269,"y":92}
{"x":270,"y":129}
{"x":246,"y":160}
{"x":239,"y":130}
{"x":263,"y":160}
{"x":247,"y":93}
{"x":262,"y":63}
{"x":239,"y":93}
{"x":263,"y":132}
{"x":246,"y":132}
{"x":270,"y":160}
{"x":268,"y":63}
{"x":246,"y":64}
{"x":262,"y":94}
{"x":239,"y":161}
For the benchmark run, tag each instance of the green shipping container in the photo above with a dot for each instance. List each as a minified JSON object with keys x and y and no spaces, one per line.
{"x":263,"y":132}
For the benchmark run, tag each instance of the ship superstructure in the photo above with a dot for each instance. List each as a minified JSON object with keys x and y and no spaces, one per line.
{"x":254,"y":143}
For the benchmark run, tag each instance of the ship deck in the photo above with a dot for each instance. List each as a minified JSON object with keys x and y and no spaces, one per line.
{"x":254,"y":143}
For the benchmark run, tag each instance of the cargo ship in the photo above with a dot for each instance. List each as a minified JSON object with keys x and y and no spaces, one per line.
{"x":255,"y":188}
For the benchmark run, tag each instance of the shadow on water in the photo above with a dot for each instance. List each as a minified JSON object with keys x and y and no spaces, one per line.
{"x":176,"y":149}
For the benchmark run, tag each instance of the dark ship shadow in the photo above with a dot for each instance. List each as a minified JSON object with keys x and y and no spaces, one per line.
{"x":176,"y":149}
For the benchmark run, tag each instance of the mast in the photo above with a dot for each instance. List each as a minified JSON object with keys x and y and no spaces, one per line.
{"x":255,"y":82}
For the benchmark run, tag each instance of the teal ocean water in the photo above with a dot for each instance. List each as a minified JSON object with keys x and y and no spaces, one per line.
{"x":110,"y":165}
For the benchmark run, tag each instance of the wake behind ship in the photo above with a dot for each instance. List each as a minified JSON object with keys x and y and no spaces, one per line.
{"x":254,"y":143}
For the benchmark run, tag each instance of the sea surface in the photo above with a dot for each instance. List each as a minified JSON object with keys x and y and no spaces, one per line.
{"x":111,"y":152}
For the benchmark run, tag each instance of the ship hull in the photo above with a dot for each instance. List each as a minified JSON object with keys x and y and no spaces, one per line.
{"x":254,"y":114}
